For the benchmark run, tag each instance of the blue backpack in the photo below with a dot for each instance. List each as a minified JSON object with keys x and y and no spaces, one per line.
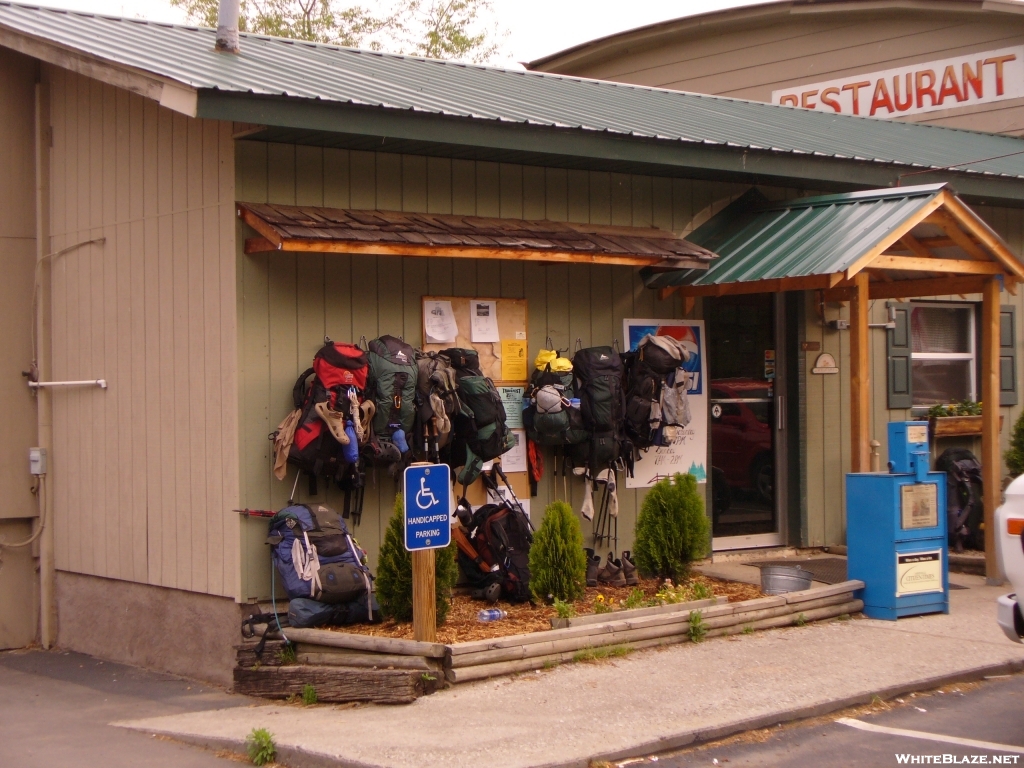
{"x":318,"y":529}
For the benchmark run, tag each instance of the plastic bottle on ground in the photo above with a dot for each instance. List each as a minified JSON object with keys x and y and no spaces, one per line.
{"x":491,"y":614}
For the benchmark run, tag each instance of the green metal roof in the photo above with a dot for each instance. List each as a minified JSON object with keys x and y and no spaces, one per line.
{"x":280,"y":82}
{"x":758,"y":240}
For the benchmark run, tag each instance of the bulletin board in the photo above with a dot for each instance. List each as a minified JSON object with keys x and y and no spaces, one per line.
{"x":512,"y":325}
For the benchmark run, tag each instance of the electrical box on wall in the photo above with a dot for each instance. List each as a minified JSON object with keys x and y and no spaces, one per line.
{"x":37,"y":461}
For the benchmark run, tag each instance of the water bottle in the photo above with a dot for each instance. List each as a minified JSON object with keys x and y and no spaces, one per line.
{"x":491,"y":614}
{"x":574,"y":402}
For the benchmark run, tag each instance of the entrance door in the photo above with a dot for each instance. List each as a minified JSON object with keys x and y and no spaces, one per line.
{"x":745,"y":376}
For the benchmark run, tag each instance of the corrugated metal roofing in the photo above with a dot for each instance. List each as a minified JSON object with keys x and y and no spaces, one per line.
{"x":757,"y":240}
{"x":277,"y":67}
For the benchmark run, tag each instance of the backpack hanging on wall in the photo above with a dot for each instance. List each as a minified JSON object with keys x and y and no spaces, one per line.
{"x":437,"y":403}
{"x":325,"y":442}
{"x":598,"y":375}
{"x":656,"y":401}
{"x":481,"y":433}
{"x":391,"y":385}
{"x":315,"y":556}
{"x":551,"y":418}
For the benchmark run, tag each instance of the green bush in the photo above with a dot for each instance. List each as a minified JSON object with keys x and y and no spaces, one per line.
{"x":671,"y":529}
{"x":260,"y":746}
{"x":558,"y":563}
{"x":1014,"y":457}
{"x":394,"y":573}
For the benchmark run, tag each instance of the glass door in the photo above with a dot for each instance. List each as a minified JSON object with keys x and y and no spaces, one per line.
{"x":746,"y":420}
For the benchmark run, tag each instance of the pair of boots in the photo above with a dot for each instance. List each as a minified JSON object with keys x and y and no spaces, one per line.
{"x":616,"y":573}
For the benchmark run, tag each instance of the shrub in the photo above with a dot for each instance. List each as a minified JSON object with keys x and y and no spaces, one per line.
{"x":394,"y":573}
{"x":1014,"y":457}
{"x":558,"y":563}
{"x":260,"y":746}
{"x":671,"y":529}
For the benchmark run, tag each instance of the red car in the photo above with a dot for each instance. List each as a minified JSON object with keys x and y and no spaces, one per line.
{"x":741,"y":436}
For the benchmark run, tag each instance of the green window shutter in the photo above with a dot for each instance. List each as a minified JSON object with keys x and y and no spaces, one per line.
{"x":897,"y":349}
{"x":1007,"y":356}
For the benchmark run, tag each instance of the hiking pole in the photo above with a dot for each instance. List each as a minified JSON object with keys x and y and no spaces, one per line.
{"x":496,"y":467}
{"x":291,"y":498}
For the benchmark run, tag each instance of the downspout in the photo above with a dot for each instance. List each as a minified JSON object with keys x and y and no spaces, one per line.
{"x":227,"y":26}
{"x":44,"y":408}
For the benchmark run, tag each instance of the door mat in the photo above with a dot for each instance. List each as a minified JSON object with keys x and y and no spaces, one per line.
{"x":830,"y":570}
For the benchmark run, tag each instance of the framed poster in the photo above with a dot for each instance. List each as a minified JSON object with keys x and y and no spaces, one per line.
{"x":688,"y":452}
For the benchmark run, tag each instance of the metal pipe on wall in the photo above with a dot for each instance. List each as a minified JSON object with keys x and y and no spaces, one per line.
{"x":227,"y":26}
{"x":41,"y":353}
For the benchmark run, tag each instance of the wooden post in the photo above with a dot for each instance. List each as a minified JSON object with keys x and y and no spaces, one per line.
{"x":424,"y":600}
{"x":991,"y":463}
{"x":860,"y":376}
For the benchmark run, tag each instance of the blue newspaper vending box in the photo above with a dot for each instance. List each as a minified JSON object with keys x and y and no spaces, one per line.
{"x":896,"y":530}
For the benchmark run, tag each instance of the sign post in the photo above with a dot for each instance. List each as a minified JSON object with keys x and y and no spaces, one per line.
{"x":426,"y":504}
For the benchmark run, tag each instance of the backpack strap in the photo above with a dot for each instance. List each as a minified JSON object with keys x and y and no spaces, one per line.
{"x":299,"y":390}
{"x":468,"y":550}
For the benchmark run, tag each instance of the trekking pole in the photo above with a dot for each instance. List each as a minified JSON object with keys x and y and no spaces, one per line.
{"x":291,"y":498}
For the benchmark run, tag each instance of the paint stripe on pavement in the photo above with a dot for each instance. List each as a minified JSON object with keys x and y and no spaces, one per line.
{"x":973,"y":743}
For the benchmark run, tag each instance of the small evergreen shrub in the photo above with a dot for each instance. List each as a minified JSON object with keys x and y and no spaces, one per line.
{"x":671,"y":530}
{"x":558,"y":563}
{"x":394,"y":573}
{"x":1014,"y":457}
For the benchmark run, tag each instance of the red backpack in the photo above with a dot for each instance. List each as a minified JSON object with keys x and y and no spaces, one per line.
{"x":320,"y":391}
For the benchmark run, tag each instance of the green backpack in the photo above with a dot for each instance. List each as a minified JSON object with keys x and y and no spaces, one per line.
{"x":481,"y":433}
{"x":391,"y":385}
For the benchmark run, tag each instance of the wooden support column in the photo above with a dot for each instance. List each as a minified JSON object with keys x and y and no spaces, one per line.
{"x":424,"y":600}
{"x":991,"y":463}
{"x":860,"y":377}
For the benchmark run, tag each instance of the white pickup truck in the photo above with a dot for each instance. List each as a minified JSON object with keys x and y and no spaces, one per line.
{"x":1010,"y":553}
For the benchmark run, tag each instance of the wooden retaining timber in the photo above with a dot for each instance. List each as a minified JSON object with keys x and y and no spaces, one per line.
{"x":332,"y":684}
{"x":600,"y":618}
{"x":350,"y":667}
{"x":739,"y":623}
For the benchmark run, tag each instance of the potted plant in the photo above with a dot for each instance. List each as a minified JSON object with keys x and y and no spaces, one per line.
{"x":959,"y":418}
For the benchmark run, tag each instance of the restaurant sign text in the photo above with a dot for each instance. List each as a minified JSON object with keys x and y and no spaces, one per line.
{"x":960,"y":81}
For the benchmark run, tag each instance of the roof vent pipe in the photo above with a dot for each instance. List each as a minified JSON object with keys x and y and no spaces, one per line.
{"x":227,"y":26}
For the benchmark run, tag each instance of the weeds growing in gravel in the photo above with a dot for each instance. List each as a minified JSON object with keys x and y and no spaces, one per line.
{"x":259,"y":744}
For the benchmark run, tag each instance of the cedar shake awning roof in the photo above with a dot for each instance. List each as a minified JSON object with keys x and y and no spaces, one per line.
{"x":395,"y":233}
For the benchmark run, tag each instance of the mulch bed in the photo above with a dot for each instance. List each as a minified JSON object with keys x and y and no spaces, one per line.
{"x":462,"y":625}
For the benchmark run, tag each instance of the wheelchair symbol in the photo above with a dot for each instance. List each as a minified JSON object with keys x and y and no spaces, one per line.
{"x":426,"y":495}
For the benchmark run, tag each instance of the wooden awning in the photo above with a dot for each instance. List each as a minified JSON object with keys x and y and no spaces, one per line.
{"x":916,"y":241}
{"x":396,"y":233}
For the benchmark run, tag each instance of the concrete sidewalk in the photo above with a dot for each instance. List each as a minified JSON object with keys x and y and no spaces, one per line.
{"x":649,"y":701}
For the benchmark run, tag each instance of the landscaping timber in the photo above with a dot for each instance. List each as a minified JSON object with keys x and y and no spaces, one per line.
{"x":371,"y":660}
{"x":332,"y":684}
{"x":366,"y":643}
{"x":601,"y":618}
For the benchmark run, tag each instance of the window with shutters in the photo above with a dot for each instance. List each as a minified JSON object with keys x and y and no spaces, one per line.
{"x":942,"y":352}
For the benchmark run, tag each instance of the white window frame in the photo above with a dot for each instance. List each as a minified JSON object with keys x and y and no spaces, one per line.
{"x":972,"y":355}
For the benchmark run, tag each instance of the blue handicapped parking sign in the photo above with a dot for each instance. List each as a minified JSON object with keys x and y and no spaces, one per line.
{"x":427,"y":505}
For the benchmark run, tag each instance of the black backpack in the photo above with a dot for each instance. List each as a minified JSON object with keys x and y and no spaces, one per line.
{"x":964,"y":498}
{"x":598,"y":373}
{"x":649,"y":370}
{"x":551,"y":418}
{"x":480,"y":428}
{"x":501,"y":535}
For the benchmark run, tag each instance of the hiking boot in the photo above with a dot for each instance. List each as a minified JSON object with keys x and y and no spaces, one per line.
{"x":628,"y":569}
{"x":612,"y":574}
{"x":593,"y":567}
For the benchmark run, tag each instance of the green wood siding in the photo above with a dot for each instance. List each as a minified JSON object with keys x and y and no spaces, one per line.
{"x":288,"y":301}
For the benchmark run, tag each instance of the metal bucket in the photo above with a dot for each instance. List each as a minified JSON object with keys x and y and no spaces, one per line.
{"x":779,"y":579}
